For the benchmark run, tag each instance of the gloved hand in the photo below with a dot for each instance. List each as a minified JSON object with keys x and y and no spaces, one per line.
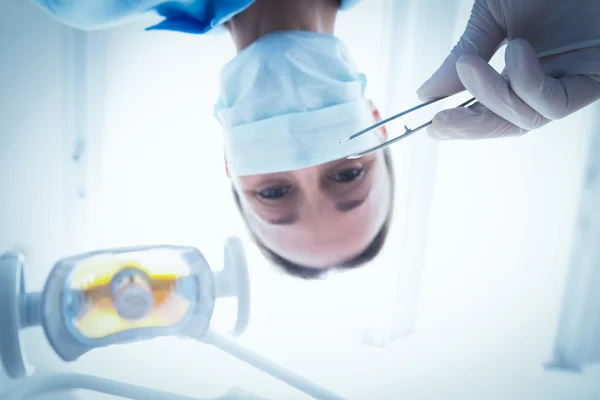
{"x":532,"y":90}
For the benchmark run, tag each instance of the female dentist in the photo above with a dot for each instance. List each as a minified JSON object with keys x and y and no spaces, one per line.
{"x":286,"y":100}
{"x":293,"y":92}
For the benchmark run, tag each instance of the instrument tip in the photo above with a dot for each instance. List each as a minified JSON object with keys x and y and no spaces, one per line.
{"x":345,"y":140}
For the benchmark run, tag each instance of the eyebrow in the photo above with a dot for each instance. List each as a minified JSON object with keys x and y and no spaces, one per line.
{"x":291,"y":219}
{"x":349,"y":205}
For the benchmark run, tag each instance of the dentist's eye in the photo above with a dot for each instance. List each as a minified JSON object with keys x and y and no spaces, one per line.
{"x":349,"y":175}
{"x":274,"y":193}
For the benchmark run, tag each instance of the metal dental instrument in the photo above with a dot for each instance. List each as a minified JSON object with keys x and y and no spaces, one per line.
{"x":408,"y":132}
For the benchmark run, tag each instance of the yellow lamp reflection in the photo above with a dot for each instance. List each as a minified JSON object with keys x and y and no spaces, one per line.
{"x":95,"y":277}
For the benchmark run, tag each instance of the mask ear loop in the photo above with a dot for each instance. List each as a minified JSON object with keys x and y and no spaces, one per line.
{"x":378,"y":119}
{"x":226,"y":166}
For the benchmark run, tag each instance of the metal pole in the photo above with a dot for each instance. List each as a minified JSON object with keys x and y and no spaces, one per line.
{"x":43,"y":384}
{"x":294,"y":380}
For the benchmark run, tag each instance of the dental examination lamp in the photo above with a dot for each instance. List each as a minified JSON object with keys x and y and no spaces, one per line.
{"x":120,"y":296}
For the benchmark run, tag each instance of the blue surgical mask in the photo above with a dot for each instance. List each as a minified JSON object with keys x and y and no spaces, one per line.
{"x":287,"y":101}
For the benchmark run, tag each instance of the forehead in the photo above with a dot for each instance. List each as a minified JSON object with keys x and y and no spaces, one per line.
{"x":328,"y":240}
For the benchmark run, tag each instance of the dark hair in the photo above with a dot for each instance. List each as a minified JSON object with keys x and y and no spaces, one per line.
{"x":300,"y":271}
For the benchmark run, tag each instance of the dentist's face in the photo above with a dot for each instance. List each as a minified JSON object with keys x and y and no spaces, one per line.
{"x":322,"y":216}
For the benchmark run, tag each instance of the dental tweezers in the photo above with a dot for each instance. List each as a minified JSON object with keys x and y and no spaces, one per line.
{"x":407,"y":131}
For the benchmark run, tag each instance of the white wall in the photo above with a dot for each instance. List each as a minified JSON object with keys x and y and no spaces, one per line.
{"x":33,"y":148}
{"x":35,"y":143}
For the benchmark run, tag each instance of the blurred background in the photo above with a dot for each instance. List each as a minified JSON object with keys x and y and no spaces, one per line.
{"x":107,"y":139}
